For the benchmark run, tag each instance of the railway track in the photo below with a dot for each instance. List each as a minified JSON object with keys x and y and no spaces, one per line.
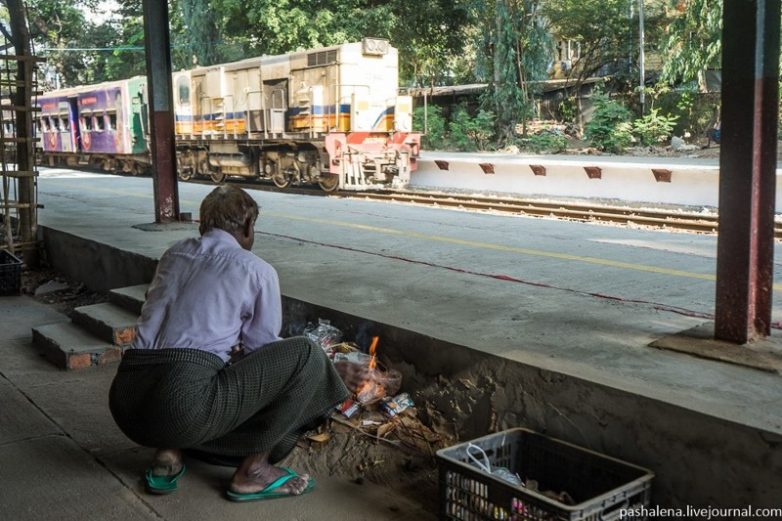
{"x":662,"y":219}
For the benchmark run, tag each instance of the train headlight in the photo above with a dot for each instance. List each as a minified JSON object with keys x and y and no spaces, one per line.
{"x":374,"y":46}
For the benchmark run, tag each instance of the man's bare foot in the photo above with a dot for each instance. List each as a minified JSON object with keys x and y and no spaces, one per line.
{"x":256,"y":473}
{"x":167,"y":462}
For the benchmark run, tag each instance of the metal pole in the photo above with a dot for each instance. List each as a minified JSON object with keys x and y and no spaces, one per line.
{"x":748,"y":157}
{"x":161,"y":114}
{"x":641,"y":54}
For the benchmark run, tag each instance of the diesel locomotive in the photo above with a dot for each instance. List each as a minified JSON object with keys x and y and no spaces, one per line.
{"x":330,"y":116}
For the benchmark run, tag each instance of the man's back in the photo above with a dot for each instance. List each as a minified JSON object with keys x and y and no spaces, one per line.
{"x":210,"y":294}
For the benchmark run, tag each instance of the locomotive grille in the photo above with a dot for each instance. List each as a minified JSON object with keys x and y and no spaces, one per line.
{"x":316,"y":59}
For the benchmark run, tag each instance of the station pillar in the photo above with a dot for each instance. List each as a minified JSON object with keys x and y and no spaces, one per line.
{"x":162,"y":143}
{"x":748,"y":159}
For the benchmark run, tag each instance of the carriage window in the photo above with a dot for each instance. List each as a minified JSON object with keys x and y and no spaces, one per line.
{"x":65,"y":125}
{"x":44,"y":124}
{"x":97,"y":123}
{"x":111,"y":121}
{"x":183,"y":87}
{"x":86,"y":123}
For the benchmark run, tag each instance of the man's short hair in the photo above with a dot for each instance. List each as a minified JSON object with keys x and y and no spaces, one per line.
{"x":227,"y":208}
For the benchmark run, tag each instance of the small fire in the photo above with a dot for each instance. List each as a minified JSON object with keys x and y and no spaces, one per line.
{"x":371,"y":389}
{"x":372,"y":354}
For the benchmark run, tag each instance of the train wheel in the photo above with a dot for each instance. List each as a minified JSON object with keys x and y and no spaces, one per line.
{"x":328,"y":182}
{"x":217,"y":176}
{"x":185,"y":173}
{"x":281,"y":180}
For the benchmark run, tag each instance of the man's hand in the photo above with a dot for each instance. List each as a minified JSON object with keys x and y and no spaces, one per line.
{"x":354,"y":375}
{"x":237,"y":353}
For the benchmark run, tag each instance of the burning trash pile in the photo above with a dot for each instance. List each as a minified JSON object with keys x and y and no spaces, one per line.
{"x":377,"y":408}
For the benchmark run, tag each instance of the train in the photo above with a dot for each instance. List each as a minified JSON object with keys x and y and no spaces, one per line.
{"x":330,"y":116}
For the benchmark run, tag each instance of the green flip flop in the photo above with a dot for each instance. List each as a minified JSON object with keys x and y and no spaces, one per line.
{"x":162,"y":484}
{"x":270,"y":491}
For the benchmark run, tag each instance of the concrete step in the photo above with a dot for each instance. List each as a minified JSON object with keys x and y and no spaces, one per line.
{"x":130,"y":298}
{"x":108,"y":322}
{"x":68,"y":346}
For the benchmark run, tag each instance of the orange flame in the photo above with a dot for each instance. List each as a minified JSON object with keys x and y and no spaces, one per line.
{"x":372,"y":349}
{"x":371,"y":390}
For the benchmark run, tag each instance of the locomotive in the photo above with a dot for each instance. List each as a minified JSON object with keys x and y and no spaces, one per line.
{"x":329,"y":116}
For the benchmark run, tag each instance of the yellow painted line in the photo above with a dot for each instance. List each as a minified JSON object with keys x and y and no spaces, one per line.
{"x":509,"y":249}
{"x":464,"y":242}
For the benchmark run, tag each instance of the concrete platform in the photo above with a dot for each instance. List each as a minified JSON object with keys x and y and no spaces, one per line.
{"x":550,"y":321}
{"x":63,"y":457}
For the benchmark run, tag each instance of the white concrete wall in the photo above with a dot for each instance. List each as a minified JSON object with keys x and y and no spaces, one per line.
{"x":694,"y":182}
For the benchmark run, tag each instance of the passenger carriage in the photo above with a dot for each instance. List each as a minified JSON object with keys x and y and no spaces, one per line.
{"x":100,"y":125}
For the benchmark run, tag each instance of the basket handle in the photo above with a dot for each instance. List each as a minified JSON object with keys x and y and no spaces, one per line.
{"x":485,"y":465}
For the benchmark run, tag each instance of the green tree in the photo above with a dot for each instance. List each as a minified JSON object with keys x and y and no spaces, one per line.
{"x":514,"y":50}
{"x":429,"y":34}
{"x":124,"y":35}
{"x":200,"y":32}
{"x":693,"y":40}
{"x":606,"y":30}
{"x":431,"y":37}
{"x":55,"y":26}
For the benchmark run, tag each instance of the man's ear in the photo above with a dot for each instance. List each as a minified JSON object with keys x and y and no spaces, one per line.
{"x":249,"y":227}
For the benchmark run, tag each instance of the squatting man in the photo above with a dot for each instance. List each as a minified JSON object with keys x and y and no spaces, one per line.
{"x":208,"y":370}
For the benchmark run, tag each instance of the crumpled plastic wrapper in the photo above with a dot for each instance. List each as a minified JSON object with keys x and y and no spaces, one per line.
{"x":324,"y":335}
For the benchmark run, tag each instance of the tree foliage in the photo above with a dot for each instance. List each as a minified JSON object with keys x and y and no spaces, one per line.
{"x":514,"y":50}
{"x":607,"y":31}
{"x":428,"y":33}
{"x":199,"y":29}
{"x":692,"y":44}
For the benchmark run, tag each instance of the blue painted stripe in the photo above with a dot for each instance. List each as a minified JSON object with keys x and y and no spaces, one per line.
{"x":292,"y":111}
{"x":321,"y":109}
{"x":388,"y":111}
{"x":210,"y":117}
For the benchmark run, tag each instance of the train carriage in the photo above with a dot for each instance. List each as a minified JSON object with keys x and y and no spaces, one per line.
{"x":102,"y":125}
